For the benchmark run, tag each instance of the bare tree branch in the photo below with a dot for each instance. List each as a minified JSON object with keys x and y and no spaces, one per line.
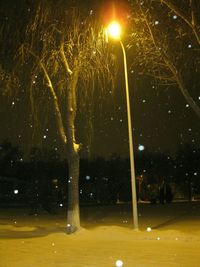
{"x":179,"y":13}
{"x":174,"y":70}
{"x":64,"y":59}
{"x":54,"y":97}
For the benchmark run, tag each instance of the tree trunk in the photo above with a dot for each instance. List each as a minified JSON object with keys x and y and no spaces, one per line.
{"x":73,"y":215}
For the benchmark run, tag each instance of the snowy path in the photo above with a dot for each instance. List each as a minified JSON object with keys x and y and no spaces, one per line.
{"x":41,"y":241}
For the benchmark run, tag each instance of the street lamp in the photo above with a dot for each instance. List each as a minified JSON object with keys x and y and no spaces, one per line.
{"x":114,"y":31}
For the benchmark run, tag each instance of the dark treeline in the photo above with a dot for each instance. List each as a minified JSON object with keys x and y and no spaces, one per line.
{"x":103,"y":181}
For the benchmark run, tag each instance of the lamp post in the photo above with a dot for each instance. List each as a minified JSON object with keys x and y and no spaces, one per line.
{"x":114,"y":31}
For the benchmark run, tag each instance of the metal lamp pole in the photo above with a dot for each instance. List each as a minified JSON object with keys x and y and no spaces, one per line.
{"x":131,"y":151}
{"x":114,"y":30}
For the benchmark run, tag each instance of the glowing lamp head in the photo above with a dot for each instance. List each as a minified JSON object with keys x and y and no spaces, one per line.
{"x":114,"y":30}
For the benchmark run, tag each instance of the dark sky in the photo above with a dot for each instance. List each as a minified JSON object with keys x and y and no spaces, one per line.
{"x":161,"y":118}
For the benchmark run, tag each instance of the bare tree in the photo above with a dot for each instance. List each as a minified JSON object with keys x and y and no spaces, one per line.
{"x":62,"y":55}
{"x":165,"y":35}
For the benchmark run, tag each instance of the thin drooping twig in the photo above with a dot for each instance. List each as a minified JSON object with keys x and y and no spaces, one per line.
{"x":54,"y":96}
{"x":179,"y":13}
{"x":174,"y":71}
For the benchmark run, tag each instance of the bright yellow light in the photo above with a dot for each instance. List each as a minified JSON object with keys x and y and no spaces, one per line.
{"x":114,"y":30}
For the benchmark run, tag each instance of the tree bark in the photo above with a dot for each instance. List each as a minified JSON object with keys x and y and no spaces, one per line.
{"x":73,"y":214}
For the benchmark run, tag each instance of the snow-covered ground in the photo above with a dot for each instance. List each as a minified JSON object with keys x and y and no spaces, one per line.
{"x":107,"y":237}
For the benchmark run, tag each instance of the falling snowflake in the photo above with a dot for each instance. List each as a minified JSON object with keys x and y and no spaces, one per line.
{"x":119,"y":263}
{"x":141,"y":147}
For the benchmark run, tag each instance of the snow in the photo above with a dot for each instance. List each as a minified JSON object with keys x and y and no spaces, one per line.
{"x":106,"y":239}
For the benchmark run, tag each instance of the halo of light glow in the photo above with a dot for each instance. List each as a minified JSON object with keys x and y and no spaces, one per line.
{"x":114,"y":30}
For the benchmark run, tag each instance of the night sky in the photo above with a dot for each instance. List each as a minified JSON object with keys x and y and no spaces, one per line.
{"x":162,"y":120}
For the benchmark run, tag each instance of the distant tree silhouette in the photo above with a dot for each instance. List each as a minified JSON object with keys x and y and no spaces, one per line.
{"x":10,"y":155}
{"x":188,"y":169}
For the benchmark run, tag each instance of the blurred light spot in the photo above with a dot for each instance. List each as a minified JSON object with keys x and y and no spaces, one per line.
{"x":141,"y":147}
{"x":119,"y":263}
